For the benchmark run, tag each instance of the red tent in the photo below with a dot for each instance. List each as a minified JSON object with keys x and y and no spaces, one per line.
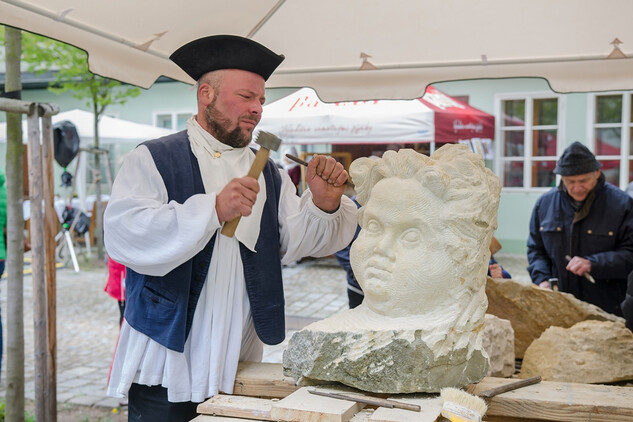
{"x":455,"y":120}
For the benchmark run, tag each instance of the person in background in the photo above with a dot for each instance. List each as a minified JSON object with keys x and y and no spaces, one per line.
{"x":355,"y":293}
{"x":292,"y":168}
{"x":627,"y":303}
{"x":629,"y":189}
{"x":580,"y":230}
{"x":3,"y":246}
{"x":115,"y":285}
{"x":495,"y":270}
{"x":197,"y":302}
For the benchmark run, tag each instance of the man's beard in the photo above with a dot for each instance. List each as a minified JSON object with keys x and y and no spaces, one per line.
{"x":218,"y":123}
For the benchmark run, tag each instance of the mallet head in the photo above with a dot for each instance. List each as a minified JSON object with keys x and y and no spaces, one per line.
{"x":268,"y":140}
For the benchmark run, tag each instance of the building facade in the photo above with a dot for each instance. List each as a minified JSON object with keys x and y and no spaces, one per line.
{"x":533,"y":126}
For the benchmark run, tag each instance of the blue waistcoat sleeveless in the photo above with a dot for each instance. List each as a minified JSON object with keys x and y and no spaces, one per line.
{"x":162,"y":307}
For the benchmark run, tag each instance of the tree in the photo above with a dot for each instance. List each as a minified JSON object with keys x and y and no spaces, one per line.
{"x":71,"y":74}
{"x":15,"y":238}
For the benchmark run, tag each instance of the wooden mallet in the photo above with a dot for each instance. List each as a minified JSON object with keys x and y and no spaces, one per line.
{"x":267,"y":142}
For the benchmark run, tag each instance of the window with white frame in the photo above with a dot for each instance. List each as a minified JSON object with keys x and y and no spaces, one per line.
{"x":528,"y":140}
{"x":612,"y":132}
{"x":175,"y":121}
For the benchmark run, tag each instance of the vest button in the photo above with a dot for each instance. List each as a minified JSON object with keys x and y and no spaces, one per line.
{"x":154,"y":299}
{"x":589,"y":232}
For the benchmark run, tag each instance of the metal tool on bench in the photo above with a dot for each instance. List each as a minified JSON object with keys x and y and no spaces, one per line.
{"x":510,"y":387}
{"x":267,"y":142}
{"x":374,"y":401}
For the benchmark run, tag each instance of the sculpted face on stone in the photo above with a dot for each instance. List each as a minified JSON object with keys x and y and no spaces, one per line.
{"x":398,"y":229}
{"x":425,"y":226}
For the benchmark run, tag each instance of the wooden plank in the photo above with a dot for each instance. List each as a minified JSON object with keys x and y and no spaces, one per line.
{"x":559,"y":401}
{"x":51,"y":227}
{"x":430,"y":408}
{"x":237,"y":406}
{"x":362,"y":416}
{"x":42,"y":383}
{"x":547,"y":400}
{"x":257,"y":379}
{"x":301,"y":406}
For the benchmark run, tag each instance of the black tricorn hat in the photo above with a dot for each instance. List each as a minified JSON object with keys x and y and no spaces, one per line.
{"x":576,"y":159}
{"x":225,"y":52}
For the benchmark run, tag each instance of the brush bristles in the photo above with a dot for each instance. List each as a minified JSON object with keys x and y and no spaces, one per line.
{"x":459,"y":406}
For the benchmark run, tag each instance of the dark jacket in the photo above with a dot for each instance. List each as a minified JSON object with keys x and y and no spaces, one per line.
{"x":603,"y":234}
{"x":342,"y":257}
{"x":163,"y":307}
{"x":627,"y":304}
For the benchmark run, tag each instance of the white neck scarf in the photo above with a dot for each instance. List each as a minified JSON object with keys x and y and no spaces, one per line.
{"x":219,"y":163}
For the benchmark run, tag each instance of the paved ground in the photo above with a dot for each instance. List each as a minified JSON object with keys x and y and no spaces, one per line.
{"x":87,"y":322}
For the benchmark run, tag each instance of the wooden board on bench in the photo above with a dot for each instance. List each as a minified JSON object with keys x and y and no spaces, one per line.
{"x":548,"y":400}
{"x":258,"y":379}
{"x":303,"y":406}
{"x":558,"y":401}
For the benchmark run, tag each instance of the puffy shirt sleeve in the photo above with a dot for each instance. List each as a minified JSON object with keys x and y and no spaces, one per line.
{"x":305,"y":230}
{"x":144,"y":231}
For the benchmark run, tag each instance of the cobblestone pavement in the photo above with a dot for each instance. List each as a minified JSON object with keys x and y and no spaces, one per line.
{"x":87,"y":322}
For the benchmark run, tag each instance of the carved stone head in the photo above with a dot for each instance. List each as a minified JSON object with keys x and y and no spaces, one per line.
{"x":426,"y":224}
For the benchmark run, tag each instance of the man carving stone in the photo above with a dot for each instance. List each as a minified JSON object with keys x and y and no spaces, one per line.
{"x":421,"y":258}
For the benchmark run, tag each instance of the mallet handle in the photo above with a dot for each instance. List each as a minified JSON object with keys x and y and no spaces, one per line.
{"x":261,"y":157}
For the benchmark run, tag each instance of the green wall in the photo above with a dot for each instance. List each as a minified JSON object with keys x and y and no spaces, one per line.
{"x":515,"y":207}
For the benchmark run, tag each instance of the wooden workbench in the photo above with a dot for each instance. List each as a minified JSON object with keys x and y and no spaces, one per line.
{"x":260,"y":386}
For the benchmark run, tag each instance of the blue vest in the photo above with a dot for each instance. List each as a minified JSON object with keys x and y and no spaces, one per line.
{"x":163,"y":307}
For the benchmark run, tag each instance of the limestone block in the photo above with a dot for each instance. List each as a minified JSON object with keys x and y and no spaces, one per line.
{"x":400,"y":359}
{"x":589,"y":352}
{"x":532,"y":310}
{"x":498,"y":342}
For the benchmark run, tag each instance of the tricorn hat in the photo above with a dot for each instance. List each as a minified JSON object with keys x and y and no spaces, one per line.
{"x":576,"y":159}
{"x":225,"y":52}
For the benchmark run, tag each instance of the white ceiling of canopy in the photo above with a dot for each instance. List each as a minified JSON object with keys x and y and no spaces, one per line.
{"x":355,"y":49}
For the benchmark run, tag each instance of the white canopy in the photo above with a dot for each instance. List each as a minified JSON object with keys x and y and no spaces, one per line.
{"x":302,"y":118}
{"x":355,"y":49}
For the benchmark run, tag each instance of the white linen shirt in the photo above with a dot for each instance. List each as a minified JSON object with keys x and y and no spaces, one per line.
{"x":151,"y":236}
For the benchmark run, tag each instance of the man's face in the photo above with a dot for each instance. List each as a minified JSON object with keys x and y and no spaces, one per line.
{"x":580,"y":185}
{"x":235,"y":107}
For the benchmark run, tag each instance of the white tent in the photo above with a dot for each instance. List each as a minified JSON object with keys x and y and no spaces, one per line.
{"x":301,"y":118}
{"x":111,"y":131}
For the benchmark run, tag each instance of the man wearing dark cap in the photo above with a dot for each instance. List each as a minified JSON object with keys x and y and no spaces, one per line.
{"x":581,"y":233}
{"x":198,"y":302}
